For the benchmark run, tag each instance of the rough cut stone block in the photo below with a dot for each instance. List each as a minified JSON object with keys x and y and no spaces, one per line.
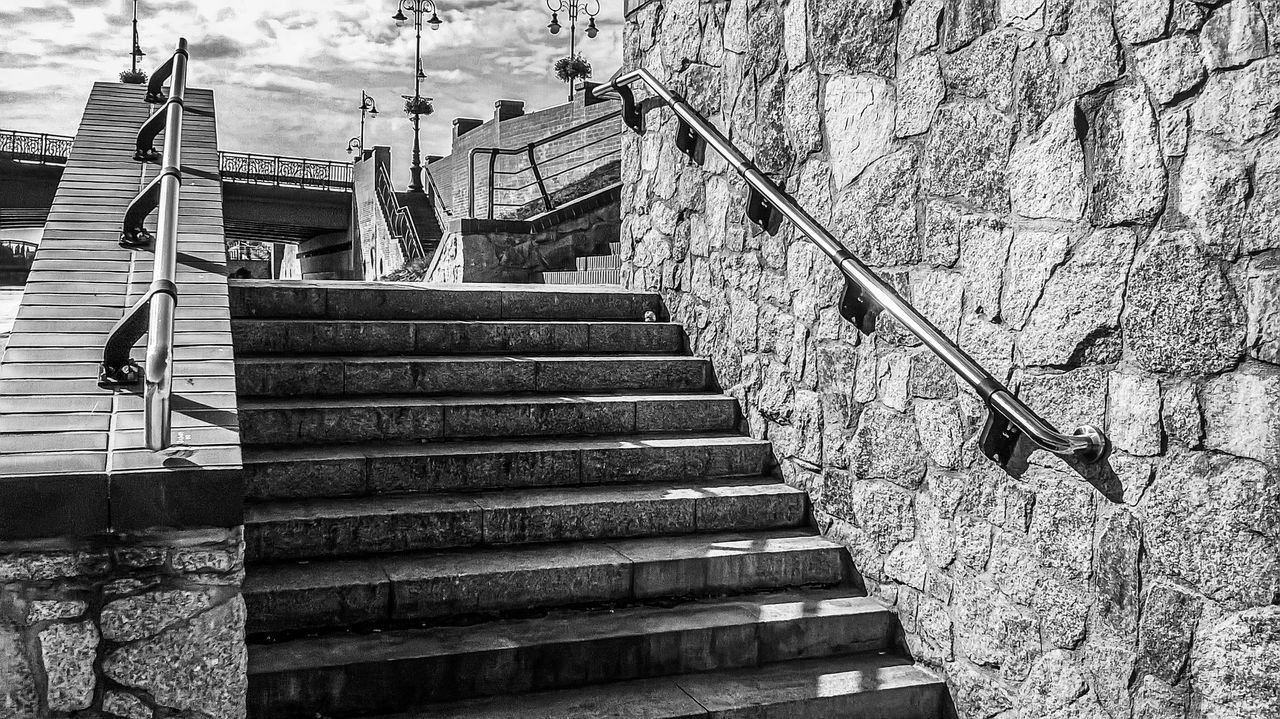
{"x":977,"y":694}
{"x":1239,"y":105}
{"x":1056,"y":685}
{"x":1242,"y":412}
{"x":1129,"y":180}
{"x":795,"y":33}
{"x":1262,"y":221}
{"x":920,"y":23}
{"x":1237,"y":661}
{"x":1262,"y":304}
{"x":18,"y":691}
{"x":145,"y":615}
{"x":992,"y":632}
{"x":1204,"y":523}
{"x":1046,"y":171}
{"x":803,"y":122}
{"x":1214,"y":191}
{"x":966,"y":21}
{"x":887,"y":446}
{"x":1088,"y":47}
{"x":984,"y":70}
{"x":920,"y":91}
{"x":1170,"y":67}
{"x":1169,"y":615}
{"x":1181,"y":315}
{"x":859,"y":113}
{"x":1133,"y":414}
{"x":878,"y":212}
{"x":1033,"y":254}
{"x":68,"y":652}
{"x":984,"y":251}
{"x":966,"y":155}
{"x":852,"y":37}
{"x":1139,"y":21}
{"x":1234,"y":35}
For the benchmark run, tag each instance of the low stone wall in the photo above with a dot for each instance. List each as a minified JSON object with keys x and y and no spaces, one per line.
{"x":513,"y":250}
{"x":1086,"y":194}
{"x":138,"y":627}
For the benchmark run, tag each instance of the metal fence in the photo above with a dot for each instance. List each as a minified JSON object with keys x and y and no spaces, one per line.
{"x":39,"y":147}
{"x":286,"y":171}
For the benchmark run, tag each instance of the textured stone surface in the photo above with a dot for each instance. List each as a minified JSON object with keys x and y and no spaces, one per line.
{"x":966,"y":155}
{"x":1237,"y":664}
{"x":852,"y":37}
{"x":804,"y":125}
{"x":1262,"y":221}
{"x":1181,"y":316}
{"x":1088,"y":47}
{"x":1215,"y":188}
{"x":920,"y":23}
{"x":1139,"y":21}
{"x":920,"y":91}
{"x":984,"y":248}
{"x":1262,"y":304}
{"x":1033,"y":255}
{"x":1046,"y":171}
{"x":1242,"y":412}
{"x":126,"y":705}
{"x":1240,"y":105}
{"x":1234,"y":34}
{"x":878,"y":212}
{"x":859,"y":119}
{"x":1129,"y":177}
{"x":146,"y":615}
{"x":1169,"y":615}
{"x":18,"y":690}
{"x":1204,"y":519}
{"x":1082,"y":299}
{"x":210,"y":679}
{"x":966,"y":20}
{"x":1133,"y":403}
{"x":1170,"y":67}
{"x":887,"y":446}
{"x":68,"y":652}
{"x":985,"y":69}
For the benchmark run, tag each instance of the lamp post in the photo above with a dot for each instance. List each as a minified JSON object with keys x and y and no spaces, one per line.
{"x":367,"y":107}
{"x":574,"y":7}
{"x":418,"y":8}
{"x":137,"y":49}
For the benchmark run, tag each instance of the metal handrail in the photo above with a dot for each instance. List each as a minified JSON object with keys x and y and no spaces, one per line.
{"x":39,"y":147}
{"x":866,"y":295}
{"x":495,"y":152}
{"x":438,"y":204}
{"x":154,"y":313}
{"x":399,"y":220}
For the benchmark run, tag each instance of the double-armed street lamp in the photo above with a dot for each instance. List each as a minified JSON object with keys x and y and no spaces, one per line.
{"x":367,"y":107}
{"x":590,"y":8}
{"x":415,"y":105}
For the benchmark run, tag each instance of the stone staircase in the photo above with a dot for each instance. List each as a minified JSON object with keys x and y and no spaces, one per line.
{"x":528,"y":502}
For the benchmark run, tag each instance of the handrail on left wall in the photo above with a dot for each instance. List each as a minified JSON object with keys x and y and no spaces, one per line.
{"x":153,"y":315}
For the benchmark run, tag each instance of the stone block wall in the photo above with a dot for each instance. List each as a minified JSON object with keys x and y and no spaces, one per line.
{"x":378,"y":251}
{"x":137,"y":627}
{"x":1086,"y":193}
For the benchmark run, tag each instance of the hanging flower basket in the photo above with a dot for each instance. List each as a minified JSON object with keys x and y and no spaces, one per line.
{"x":572,"y":67}
{"x":418,"y":106}
{"x":133,"y":77}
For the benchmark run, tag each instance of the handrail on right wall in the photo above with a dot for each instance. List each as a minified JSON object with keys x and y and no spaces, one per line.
{"x":866,"y":295}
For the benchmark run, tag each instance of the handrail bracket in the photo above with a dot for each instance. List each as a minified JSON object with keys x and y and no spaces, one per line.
{"x":858,"y":308}
{"x":999,"y":438}
{"x":762,"y":212}
{"x":118,"y":369}
{"x":691,"y":144}
{"x":134,"y":235}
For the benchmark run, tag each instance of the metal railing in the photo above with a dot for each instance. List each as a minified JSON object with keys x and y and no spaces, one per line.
{"x":153,"y":315}
{"x":866,"y":295}
{"x":285,"y":171}
{"x":534,"y":166}
{"x":439,"y":205}
{"x":397,"y":217}
{"x":38,"y":147}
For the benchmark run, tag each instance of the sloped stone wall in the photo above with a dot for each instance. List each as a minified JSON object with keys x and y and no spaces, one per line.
{"x":1087,"y":194}
{"x":130,"y":627}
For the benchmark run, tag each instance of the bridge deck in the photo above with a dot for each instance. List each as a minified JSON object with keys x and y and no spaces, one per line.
{"x":72,"y":456}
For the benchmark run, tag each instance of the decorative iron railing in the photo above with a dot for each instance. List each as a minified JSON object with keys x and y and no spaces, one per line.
{"x":397,"y":217}
{"x":560,"y":158}
{"x":153,"y":314}
{"x":285,"y":171}
{"x":39,"y":147}
{"x":866,"y":295}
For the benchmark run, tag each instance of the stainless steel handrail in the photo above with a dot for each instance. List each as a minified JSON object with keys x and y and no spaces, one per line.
{"x":528,"y":150}
{"x":155,"y":311}
{"x":866,"y":294}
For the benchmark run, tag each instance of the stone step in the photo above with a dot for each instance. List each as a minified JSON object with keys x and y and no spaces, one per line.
{"x":393,"y":588}
{"x":320,"y":376}
{"x":395,"y":670}
{"x":364,"y":419}
{"x":877,"y":686}
{"x":406,"y":301}
{"x":427,"y":337}
{"x":353,"y":470}
{"x":310,"y":528}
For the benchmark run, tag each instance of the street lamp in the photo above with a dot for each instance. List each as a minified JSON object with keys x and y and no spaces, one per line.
{"x":418,"y":8}
{"x":367,"y":107}
{"x":137,"y":49}
{"x":590,"y":8}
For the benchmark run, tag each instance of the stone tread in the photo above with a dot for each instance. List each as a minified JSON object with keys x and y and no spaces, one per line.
{"x":311,"y":528}
{"x":358,"y":419}
{"x":299,"y":471}
{"x":880,"y":685}
{"x":437,"y":584}
{"x":337,"y":375}
{"x":438,"y":337}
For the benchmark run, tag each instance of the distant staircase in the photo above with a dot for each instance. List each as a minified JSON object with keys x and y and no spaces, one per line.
{"x":527,"y":502}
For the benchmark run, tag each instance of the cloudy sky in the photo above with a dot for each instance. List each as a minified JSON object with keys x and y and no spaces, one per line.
{"x":288,"y":73}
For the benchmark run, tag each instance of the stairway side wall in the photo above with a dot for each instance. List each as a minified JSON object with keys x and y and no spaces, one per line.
{"x":1087,"y":195}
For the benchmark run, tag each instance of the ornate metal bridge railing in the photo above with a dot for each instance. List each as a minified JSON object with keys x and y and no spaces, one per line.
{"x":40,"y":147}
{"x":286,"y":171}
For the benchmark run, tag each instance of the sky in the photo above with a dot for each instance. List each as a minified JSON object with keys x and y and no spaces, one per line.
{"x":287,"y":74}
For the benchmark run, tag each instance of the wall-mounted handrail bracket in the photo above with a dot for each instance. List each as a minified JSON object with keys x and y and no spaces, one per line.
{"x":631,"y":115}
{"x":145,"y":149}
{"x":155,"y":86}
{"x":999,"y":438}
{"x":858,"y":308}
{"x":134,"y":235}
{"x":763,"y":212}
{"x":118,"y":369}
{"x":688,"y":142}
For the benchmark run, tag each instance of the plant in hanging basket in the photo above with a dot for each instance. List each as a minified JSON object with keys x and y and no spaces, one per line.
{"x":571,"y":67}
{"x":133,"y":77}
{"x":418,"y":106}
